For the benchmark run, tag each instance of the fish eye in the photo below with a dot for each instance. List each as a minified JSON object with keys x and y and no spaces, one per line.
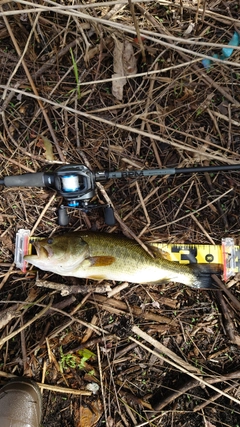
{"x":50,"y":241}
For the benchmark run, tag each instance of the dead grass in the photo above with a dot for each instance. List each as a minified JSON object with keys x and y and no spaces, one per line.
{"x":174,"y":113}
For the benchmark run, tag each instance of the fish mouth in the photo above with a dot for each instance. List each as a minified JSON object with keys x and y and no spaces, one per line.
{"x":39,"y":252}
{"x":43,"y":251}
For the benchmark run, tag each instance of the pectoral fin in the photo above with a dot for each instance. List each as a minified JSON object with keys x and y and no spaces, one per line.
{"x":98,"y":261}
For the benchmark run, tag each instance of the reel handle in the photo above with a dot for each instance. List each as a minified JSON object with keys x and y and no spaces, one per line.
{"x":63,"y":217}
{"x":109,"y":216}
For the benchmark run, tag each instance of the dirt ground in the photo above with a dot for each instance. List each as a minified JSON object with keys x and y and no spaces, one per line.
{"x":122,"y":85}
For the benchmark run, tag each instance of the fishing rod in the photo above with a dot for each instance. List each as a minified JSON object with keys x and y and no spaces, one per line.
{"x":77,"y":184}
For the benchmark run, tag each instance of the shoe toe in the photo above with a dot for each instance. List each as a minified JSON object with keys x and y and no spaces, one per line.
{"x":20,"y":404}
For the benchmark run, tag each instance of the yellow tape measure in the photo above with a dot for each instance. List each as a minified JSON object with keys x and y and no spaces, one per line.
{"x":227,"y":254}
{"x":188,"y":254}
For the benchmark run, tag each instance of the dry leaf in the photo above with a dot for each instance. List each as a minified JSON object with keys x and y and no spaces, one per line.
{"x":6,"y":318}
{"x":7,"y":243}
{"x":129,"y":60}
{"x":124,"y":63}
{"x":88,"y":416}
{"x":189,"y":29}
{"x":92,"y":52}
{"x":47,"y":145}
{"x":117,"y":85}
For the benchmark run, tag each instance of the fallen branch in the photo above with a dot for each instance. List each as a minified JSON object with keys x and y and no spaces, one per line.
{"x":74,"y":289}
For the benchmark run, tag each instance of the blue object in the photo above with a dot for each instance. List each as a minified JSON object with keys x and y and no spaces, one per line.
{"x":235,"y":41}
{"x":73,"y":204}
{"x":206,"y":62}
{"x":226,"y":51}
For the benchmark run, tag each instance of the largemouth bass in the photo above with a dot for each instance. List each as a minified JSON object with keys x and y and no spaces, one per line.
{"x":100,"y":256}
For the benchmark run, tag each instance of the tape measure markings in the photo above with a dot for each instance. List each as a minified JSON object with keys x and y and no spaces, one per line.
{"x":201,"y":254}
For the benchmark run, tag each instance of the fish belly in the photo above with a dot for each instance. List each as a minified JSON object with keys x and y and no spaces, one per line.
{"x":122,"y":271}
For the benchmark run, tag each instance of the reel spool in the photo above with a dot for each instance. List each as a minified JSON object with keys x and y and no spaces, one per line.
{"x":78,"y":189}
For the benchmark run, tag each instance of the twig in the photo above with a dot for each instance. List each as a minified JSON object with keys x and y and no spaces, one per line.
{"x":36,"y":317}
{"x":33,"y":86}
{"x":191,"y":374}
{"x":132,"y":10}
{"x":183,"y":200}
{"x":15,"y":162}
{"x":228,"y":323}
{"x":149,"y":98}
{"x":203,"y":229}
{"x":96,"y":329}
{"x":212,"y":399}
{"x":163,"y":349}
{"x":143,"y":207}
{"x":181,"y":146}
{"x":92,"y":342}
{"x":235,"y":302}
{"x":74,"y":289}
{"x":183,"y":52}
{"x":131,"y":30}
{"x":160,"y":404}
{"x":117,"y":289}
{"x":115,"y":306}
{"x":42,"y":214}
{"x":6,"y":276}
{"x":49,"y":387}
{"x":102,"y":386}
{"x":23,"y":347}
{"x":198,"y":210}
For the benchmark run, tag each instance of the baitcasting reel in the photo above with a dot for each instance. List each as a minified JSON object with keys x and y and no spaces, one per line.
{"x":77,"y":184}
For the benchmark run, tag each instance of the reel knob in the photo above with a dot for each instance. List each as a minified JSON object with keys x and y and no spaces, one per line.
{"x":109,"y":215}
{"x":63,"y":217}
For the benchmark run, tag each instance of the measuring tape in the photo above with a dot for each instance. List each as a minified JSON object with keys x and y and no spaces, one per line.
{"x":227,"y":254}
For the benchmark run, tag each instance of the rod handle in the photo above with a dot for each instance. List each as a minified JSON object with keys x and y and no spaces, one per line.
{"x":26,"y":180}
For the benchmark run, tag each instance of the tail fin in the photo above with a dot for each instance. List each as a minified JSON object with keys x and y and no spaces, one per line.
{"x":202,"y":273}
